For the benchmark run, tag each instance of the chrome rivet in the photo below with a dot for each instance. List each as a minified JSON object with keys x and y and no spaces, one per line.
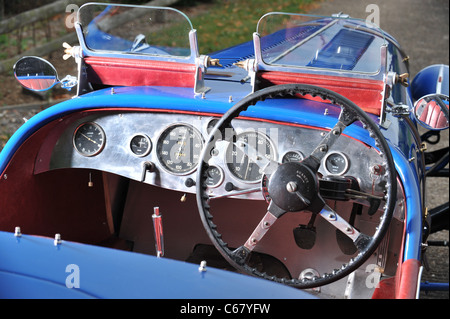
{"x":57,"y":240}
{"x":291,"y":187}
{"x":202,"y":267}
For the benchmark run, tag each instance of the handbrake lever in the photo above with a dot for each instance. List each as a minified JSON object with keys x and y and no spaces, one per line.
{"x":158,"y":231}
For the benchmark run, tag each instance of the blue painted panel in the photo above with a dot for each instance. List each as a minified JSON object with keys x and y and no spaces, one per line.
{"x":304,"y":112}
{"x":33,"y":267}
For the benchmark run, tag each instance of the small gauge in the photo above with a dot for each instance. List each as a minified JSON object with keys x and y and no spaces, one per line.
{"x":214,"y":176}
{"x":336,"y":163}
{"x":292,"y":156}
{"x":140,"y":145}
{"x":89,"y":139}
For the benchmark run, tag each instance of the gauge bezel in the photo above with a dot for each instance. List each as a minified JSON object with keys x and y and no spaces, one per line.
{"x":292,"y":151}
{"x":222,"y":176}
{"x":346,"y":167}
{"x":102,"y":146}
{"x":233,"y":174}
{"x":149,"y":143}
{"x":163,"y":131}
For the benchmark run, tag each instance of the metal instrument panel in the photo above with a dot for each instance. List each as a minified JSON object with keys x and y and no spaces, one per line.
{"x":133,"y":141}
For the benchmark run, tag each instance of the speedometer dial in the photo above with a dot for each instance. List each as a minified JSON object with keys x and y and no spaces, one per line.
{"x":242,"y":154}
{"x":179,"y":148}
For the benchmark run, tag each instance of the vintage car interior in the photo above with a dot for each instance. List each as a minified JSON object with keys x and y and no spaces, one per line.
{"x":274,"y":158}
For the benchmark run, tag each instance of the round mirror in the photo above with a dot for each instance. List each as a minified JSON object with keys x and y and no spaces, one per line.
{"x":35,"y":74}
{"x":432,"y":111}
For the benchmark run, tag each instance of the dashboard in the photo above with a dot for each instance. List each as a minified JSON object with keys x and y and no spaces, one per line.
{"x":164,"y":149}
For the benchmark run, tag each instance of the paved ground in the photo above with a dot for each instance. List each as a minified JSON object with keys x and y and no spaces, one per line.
{"x":420,"y":26}
{"x":422,"y":29}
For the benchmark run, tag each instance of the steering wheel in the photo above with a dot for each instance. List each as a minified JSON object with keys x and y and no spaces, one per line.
{"x":294,"y":186}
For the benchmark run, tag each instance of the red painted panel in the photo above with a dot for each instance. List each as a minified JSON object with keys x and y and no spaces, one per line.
{"x":131,"y":72}
{"x":363,"y":92}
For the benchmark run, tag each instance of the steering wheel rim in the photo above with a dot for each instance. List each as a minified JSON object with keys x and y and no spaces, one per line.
{"x":350,"y":113}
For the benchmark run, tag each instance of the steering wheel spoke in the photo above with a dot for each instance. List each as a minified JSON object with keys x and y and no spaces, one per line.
{"x":340,"y":223}
{"x":273,"y":213}
{"x":360,"y":240}
{"x":242,"y":254}
{"x":328,"y":141}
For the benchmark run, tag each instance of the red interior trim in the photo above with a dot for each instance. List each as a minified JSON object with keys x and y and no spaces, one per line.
{"x":365,"y":93}
{"x":51,"y":203}
{"x":409,"y":278}
{"x":133,"y":72}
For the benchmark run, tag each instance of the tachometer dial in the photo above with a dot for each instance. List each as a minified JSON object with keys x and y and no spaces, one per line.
{"x":241,"y":163}
{"x":89,"y":139}
{"x":140,"y":145}
{"x":179,"y":148}
{"x":336,"y":163}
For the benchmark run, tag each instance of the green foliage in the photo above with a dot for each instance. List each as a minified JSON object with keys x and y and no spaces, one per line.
{"x":230,"y":22}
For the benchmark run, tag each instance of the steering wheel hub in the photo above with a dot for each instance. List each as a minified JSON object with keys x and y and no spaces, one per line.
{"x":293,"y":186}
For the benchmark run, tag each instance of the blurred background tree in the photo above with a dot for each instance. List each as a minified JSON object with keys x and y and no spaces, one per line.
{"x":13,"y":7}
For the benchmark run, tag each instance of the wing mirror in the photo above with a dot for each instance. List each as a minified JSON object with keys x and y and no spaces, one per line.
{"x":432,"y":111}
{"x":37,"y":74}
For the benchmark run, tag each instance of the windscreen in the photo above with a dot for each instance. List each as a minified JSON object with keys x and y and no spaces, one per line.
{"x":329,"y":43}
{"x":135,"y":30}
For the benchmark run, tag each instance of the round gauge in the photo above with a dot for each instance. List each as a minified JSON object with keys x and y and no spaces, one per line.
{"x":89,"y":139}
{"x":242,"y":165}
{"x":292,"y":156}
{"x":214,"y":176}
{"x":140,"y":145}
{"x":336,"y":163}
{"x":179,"y":148}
